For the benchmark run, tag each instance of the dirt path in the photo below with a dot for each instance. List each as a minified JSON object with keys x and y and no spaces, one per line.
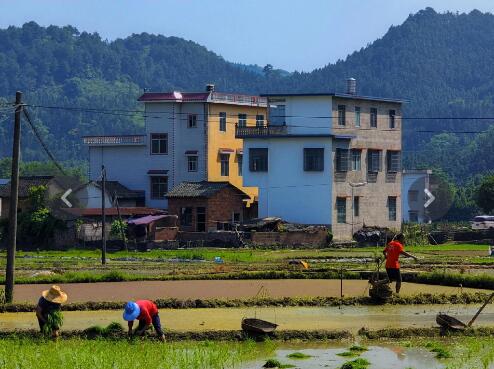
{"x":215,"y":289}
{"x":304,"y":318}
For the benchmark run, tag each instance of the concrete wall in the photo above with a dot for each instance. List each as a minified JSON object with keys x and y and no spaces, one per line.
{"x":286,"y":190}
{"x":304,"y":114}
{"x":374,"y":195}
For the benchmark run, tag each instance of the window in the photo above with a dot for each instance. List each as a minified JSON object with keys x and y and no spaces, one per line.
{"x":373,"y":117}
{"x":374,"y":161}
{"x":392,"y":208}
{"x":192,"y":121}
{"x":277,"y":115}
{"x":341,"y":209}
{"x":356,"y":159}
{"x":393,"y":161}
{"x":200,"y":219}
{"x":392,"y":115}
{"x":186,"y":217}
{"x":341,"y":115}
{"x":159,"y":187}
{"x":357,"y":116}
{"x":356,"y":206}
{"x":159,"y":143}
{"x":223,"y":121}
{"x":258,"y":160}
{"x":192,"y":163}
{"x":242,"y":120}
{"x":313,"y":160}
{"x":259,"y":120}
{"x":413,"y":216}
{"x":413,"y":195}
{"x":240,"y":160}
{"x":342,"y":160}
{"x":225,"y":165}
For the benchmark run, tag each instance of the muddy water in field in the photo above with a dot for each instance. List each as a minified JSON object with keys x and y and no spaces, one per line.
{"x":350,"y":318}
{"x":382,"y":357}
{"x":219,"y":289}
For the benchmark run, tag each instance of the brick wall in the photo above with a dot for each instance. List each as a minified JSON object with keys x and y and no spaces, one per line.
{"x":290,"y":239}
{"x":373,"y":197}
{"x":219,"y":208}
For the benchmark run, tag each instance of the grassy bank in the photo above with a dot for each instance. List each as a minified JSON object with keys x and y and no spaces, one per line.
{"x":119,"y":276}
{"x":485,"y":281}
{"x":418,"y":299}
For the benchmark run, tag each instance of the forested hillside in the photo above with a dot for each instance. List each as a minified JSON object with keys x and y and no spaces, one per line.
{"x":441,"y":63}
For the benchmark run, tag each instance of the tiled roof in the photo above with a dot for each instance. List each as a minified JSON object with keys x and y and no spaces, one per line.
{"x":125,"y":211}
{"x":174,"y":96}
{"x":25,"y":182}
{"x":200,"y":189}
{"x":115,"y":187}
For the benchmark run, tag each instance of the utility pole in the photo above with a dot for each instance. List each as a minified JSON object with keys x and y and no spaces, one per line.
{"x":103,"y":215}
{"x":14,"y":195}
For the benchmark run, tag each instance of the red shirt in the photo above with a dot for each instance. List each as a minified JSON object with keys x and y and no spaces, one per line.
{"x":393,"y":251}
{"x":148,"y":310}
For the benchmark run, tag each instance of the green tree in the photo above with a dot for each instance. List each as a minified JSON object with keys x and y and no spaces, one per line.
{"x":485,"y":194}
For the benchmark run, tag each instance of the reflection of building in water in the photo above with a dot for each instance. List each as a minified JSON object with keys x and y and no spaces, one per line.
{"x":414,"y":184}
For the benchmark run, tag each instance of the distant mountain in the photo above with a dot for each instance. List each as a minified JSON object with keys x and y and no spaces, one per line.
{"x":441,"y":63}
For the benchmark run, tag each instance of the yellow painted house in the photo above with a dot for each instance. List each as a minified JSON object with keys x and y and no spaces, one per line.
{"x":191,"y":137}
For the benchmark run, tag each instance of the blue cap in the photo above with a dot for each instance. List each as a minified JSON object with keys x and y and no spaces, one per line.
{"x":131,"y":311}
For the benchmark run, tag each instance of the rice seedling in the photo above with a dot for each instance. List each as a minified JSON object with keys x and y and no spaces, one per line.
{"x":54,"y":322}
{"x":356,"y":364}
{"x":298,"y":356}
{"x":358,"y":348}
{"x":108,"y":354}
{"x":273,"y":363}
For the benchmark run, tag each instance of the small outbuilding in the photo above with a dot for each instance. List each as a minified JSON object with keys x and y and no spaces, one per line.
{"x":206,"y":206}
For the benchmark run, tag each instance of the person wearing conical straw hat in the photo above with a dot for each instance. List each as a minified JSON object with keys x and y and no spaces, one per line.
{"x":146,"y":312}
{"x":50,"y":301}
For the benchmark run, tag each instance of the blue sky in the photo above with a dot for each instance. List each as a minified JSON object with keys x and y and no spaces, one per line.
{"x":293,"y":35}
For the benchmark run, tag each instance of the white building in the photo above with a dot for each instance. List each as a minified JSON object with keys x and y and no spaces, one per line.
{"x":327,"y":158}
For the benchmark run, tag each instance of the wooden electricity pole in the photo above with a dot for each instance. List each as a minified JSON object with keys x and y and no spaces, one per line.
{"x":14,"y":194}
{"x":103,"y":215}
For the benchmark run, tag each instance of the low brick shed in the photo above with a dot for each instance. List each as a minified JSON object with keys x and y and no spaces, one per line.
{"x":206,"y":206}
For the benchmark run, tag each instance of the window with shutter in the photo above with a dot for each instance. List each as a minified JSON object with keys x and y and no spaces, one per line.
{"x":341,"y":115}
{"x":258,"y":160}
{"x":374,"y":161}
{"x":342,"y":158}
{"x":314,"y":160}
{"x":393,"y":161}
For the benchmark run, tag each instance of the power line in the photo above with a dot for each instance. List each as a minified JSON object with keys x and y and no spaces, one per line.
{"x":43,"y":144}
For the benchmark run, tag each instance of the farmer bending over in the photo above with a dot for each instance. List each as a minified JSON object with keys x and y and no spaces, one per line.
{"x":48,"y":310}
{"x":392,"y":253}
{"x":146,"y":312}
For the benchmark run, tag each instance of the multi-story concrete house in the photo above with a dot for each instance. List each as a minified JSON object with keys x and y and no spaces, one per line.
{"x":188,"y":137}
{"x":327,"y":158}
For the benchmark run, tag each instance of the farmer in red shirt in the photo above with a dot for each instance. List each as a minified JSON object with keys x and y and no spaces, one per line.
{"x":392,"y":253}
{"x":146,"y":312}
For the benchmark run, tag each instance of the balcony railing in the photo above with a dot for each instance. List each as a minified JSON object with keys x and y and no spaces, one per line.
{"x":239,"y":99}
{"x":264,"y":131}
{"x":115,"y":140}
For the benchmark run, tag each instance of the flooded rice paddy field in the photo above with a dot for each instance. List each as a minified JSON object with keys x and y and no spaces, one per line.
{"x":219,"y":289}
{"x":378,"y":356}
{"x":348,"y":318}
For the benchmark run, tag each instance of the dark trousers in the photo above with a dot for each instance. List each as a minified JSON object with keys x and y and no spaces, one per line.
{"x":156,"y":324}
{"x":394,"y":274}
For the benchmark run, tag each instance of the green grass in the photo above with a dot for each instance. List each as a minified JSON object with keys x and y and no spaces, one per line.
{"x":456,"y":279}
{"x":440,"y":351}
{"x":298,"y":356}
{"x":274,"y":363}
{"x":75,"y":353}
{"x":356,"y":364}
